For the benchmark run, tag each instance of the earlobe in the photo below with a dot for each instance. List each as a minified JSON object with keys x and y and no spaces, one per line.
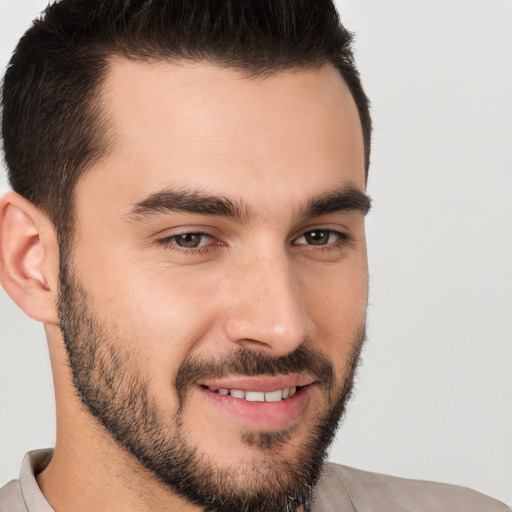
{"x":28,"y":258}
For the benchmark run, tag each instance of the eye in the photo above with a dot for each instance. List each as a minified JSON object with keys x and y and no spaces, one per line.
{"x":320,"y":237}
{"x":190,"y":240}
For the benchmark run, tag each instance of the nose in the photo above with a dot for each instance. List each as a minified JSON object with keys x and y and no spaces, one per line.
{"x":267,"y":310}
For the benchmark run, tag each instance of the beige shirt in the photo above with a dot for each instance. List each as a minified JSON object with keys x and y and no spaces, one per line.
{"x":341,"y":489}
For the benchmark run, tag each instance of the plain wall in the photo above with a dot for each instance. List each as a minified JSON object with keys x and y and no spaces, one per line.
{"x":433,"y":397}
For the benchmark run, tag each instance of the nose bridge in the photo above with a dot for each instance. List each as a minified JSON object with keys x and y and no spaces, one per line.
{"x":267,"y":308}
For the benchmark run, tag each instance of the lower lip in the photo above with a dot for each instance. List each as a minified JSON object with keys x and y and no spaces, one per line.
{"x":261,"y":415}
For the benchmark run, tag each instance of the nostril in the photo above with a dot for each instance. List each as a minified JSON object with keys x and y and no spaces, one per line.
{"x":253,"y":344}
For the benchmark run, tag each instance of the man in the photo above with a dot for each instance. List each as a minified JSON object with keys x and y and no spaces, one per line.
{"x":188,"y":222}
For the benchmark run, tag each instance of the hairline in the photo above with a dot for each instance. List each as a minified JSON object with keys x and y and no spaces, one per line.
{"x":105,"y":140}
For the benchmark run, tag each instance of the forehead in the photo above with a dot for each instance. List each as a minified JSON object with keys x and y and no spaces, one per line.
{"x":202,"y":126}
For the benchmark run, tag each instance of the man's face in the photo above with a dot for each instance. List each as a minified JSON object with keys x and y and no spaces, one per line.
{"x":214,"y":302}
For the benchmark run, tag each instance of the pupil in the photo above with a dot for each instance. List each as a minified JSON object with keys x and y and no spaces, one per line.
{"x":317,"y":237}
{"x":189,"y":240}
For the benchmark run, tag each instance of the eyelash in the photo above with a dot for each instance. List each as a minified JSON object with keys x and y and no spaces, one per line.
{"x":169,"y":242}
{"x":342,"y":238}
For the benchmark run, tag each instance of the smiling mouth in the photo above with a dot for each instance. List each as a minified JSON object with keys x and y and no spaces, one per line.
{"x":277,"y":395}
{"x":261,"y":403}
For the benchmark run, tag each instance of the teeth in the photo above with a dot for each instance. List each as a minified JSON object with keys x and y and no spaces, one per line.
{"x":254,"y":396}
{"x":259,"y":396}
{"x":274,"y":396}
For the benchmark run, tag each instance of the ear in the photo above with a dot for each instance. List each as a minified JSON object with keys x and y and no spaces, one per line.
{"x":29,"y":258}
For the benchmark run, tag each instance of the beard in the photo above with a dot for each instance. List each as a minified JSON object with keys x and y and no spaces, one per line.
{"x":116,"y":393}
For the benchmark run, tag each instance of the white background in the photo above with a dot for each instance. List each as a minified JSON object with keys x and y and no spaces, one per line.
{"x":434,"y":396}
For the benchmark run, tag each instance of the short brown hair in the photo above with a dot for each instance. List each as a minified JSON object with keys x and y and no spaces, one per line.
{"x":51,"y":124}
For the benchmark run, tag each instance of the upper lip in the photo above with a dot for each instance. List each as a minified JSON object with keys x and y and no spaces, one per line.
{"x":263,"y":383}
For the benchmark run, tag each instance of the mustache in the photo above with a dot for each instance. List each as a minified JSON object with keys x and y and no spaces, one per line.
{"x":251,"y":363}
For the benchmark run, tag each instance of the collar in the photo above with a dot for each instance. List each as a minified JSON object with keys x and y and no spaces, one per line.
{"x":33,"y":463}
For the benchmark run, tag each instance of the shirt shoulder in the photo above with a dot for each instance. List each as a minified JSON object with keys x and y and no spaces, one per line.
{"x":11,"y":498}
{"x":374,"y":492}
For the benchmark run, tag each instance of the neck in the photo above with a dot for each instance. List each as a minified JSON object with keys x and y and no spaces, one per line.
{"x":89,"y":470}
{"x":85,"y":475}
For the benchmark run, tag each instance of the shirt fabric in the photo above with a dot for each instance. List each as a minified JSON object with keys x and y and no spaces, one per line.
{"x":340,"y":489}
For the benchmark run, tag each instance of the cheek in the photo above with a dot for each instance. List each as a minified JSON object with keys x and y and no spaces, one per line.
{"x":337,"y":305}
{"x":155,"y":317}
{"x":338,"y":297}
{"x":168,"y":317}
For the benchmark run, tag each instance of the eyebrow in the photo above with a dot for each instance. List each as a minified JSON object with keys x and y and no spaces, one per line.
{"x":346,"y":199}
{"x":191,"y":201}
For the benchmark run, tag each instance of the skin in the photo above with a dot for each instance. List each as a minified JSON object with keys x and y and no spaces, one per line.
{"x":271,"y":144}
